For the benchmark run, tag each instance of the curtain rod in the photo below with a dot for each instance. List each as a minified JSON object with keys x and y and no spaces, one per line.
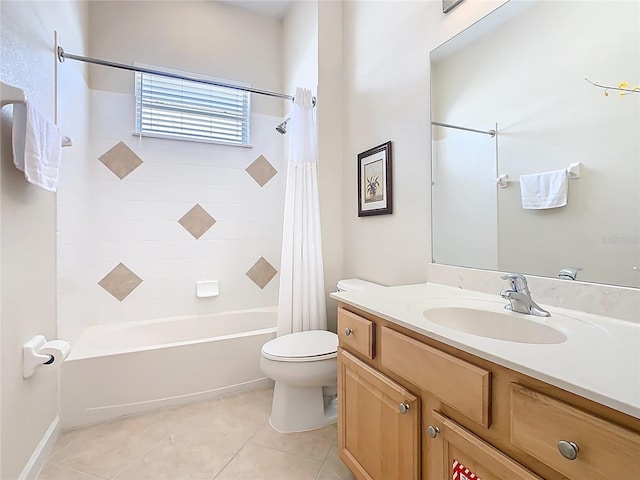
{"x":62,"y":55}
{"x":491,"y":133}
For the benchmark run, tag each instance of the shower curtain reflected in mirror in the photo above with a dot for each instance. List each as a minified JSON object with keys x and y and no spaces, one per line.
{"x":301,"y":302}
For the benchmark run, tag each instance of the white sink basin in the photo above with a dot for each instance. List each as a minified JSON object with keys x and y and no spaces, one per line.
{"x":494,"y":324}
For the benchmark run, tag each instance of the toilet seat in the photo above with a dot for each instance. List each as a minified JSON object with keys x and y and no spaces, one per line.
{"x":309,"y":346}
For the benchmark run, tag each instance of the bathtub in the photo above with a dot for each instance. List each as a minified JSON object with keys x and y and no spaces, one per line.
{"x":131,"y":367}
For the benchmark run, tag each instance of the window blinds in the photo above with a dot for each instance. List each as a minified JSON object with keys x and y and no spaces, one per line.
{"x":188,"y":110}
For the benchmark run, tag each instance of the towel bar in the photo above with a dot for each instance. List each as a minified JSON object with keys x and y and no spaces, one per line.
{"x":10,"y":95}
{"x":573,"y":170}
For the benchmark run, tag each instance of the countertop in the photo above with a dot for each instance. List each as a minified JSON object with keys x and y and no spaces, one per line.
{"x":600,"y":359}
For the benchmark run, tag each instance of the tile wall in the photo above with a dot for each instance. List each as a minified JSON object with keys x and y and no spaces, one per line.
{"x":141,"y":220}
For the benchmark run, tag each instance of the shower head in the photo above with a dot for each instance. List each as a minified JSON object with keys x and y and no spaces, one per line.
{"x":282,"y":128}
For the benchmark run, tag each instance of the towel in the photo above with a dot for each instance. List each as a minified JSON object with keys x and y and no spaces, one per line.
{"x":37,"y":146}
{"x":544,"y":190}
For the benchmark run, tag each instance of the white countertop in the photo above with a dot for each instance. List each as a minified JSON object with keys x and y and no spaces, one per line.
{"x":600,"y":359}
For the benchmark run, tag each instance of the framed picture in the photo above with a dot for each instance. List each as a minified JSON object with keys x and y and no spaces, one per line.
{"x":374,"y":181}
{"x":448,"y":5}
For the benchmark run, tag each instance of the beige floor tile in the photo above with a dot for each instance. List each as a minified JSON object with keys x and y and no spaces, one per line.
{"x":120,"y":428}
{"x":333,"y":468}
{"x":249,"y":407}
{"x":225,"y":438}
{"x":221,"y":433}
{"x":56,"y":472}
{"x":106,"y":449}
{"x":315,"y":444}
{"x":175,"y":459}
{"x":260,"y":463}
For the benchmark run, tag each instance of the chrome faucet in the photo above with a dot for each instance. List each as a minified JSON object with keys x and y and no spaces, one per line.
{"x":569,"y":273}
{"x":519,"y":296}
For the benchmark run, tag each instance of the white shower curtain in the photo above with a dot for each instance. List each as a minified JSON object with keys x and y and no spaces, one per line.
{"x":301,"y":302}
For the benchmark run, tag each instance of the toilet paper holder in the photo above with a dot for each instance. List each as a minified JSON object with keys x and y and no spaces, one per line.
{"x":37,"y":352}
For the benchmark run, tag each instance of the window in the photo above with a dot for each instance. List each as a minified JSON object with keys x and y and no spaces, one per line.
{"x":189,"y":110}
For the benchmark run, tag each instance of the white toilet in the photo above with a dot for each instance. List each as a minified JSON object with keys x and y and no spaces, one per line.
{"x":304,"y":368}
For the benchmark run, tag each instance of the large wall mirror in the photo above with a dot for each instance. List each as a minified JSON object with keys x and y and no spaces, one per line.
{"x":521,"y":71}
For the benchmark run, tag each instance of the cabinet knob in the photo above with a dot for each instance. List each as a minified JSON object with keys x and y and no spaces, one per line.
{"x":404,"y":408}
{"x":433,"y":431}
{"x":568,"y":450}
{"x":348,"y":331}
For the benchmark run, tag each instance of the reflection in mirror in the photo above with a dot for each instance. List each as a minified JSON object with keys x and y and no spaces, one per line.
{"x":521,"y":70}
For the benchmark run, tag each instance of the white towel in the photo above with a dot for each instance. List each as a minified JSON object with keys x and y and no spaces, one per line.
{"x":37,"y":146}
{"x":544,"y":190}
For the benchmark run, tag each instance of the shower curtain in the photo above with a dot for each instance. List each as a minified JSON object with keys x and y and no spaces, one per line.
{"x":301,"y":301}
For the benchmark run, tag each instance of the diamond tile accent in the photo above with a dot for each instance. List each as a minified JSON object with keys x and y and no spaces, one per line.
{"x":261,"y":170}
{"x":120,"y":282}
{"x":121,"y":160}
{"x":197,"y":221}
{"x":261,"y":273}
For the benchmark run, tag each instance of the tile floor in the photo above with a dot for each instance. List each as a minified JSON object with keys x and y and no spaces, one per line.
{"x":224,"y":438}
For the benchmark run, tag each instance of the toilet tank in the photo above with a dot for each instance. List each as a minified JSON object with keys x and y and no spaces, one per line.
{"x":351,"y":284}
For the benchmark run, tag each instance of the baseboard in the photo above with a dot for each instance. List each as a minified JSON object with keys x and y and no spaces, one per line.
{"x":39,"y":456}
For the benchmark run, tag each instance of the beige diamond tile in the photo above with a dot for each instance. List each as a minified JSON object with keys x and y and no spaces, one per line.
{"x":120,"y":282}
{"x":261,"y":273}
{"x":197,"y":221}
{"x":261,"y":170}
{"x":121,"y":160}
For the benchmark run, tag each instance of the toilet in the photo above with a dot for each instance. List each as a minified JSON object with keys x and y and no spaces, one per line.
{"x":304,"y":368}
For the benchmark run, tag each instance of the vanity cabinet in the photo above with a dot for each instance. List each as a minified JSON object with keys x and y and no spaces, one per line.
{"x":411,"y":407}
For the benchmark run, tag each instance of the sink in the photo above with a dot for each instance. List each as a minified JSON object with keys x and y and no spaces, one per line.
{"x":492,"y":324}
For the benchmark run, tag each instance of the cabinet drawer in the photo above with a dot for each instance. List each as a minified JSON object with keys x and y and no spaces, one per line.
{"x":605,"y":451}
{"x":455,"y":382}
{"x":356,"y":333}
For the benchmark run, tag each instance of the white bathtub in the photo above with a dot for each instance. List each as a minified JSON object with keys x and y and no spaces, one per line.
{"x":130,"y":367}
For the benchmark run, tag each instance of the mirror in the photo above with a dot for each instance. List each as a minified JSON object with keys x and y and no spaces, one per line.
{"x":520,"y":70}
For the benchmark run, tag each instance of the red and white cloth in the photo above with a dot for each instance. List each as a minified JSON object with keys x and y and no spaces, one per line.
{"x":460,"y":472}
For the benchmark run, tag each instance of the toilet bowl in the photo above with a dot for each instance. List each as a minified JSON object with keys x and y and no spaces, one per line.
{"x":304,"y":368}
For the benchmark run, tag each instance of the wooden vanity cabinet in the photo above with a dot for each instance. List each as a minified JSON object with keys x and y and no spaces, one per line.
{"x":464,"y":412}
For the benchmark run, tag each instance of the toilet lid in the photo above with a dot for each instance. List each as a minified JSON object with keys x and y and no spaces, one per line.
{"x":302,"y":345}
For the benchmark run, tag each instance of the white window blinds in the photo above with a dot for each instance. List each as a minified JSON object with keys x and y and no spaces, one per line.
{"x":188,"y":110}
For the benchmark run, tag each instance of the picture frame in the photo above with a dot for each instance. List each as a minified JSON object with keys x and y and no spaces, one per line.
{"x":448,"y":5}
{"x":375,"y":181}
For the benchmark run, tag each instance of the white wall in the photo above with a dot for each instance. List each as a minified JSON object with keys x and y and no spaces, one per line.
{"x":105,"y":220}
{"x":28,"y":223}
{"x":300,"y":48}
{"x":330,"y":115}
{"x":386,"y":96}
{"x":313,"y":59}
{"x":210,"y":38}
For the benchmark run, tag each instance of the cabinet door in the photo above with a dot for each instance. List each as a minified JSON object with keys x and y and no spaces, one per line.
{"x":378,"y":423}
{"x":457,"y":454}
